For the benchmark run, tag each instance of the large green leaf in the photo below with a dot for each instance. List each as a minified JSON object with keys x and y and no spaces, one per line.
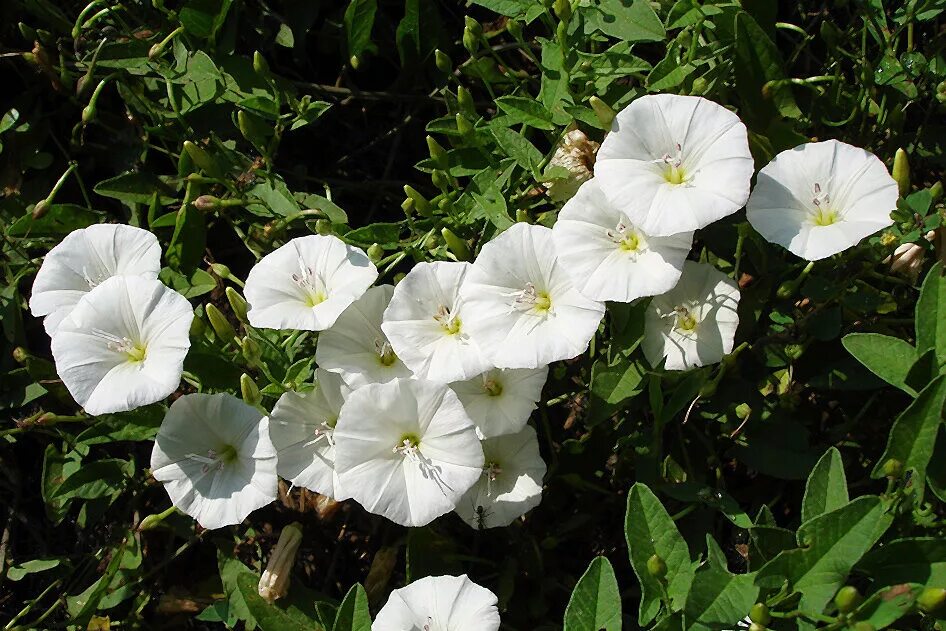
{"x":359,"y":20}
{"x":888,"y":605}
{"x":517,"y":147}
{"x":273,"y":617}
{"x":913,"y":435}
{"x":718,"y":597}
{"x":757,"y":62}
{"x":627,"y":20}
{"x":595,"y":604}
{"x":931,"y":314}
{"x":831,"y":544}
{"x":826,"y":489}
{"x":914,"y":560}
{"x":353,"y":614}
{"x":135,"y":188}
{"x":890,"y":358}
{"x":650,"y":531}
{"x":521,"y":110}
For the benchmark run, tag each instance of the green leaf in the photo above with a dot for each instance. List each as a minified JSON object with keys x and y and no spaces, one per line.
{"x":757,"y":62}
{"x":509,"y":8}
{"x":327,"y":207}
{"x":383,"y":233}
{"x":890,"y":358}
{"x":18,"y":571}
{"x":285,"y":37}
{"x":94,"y":480}
{"x":353,"y":614}
{"x":493,"y":206}
{"x":132,"y":187}
{"x":275,"y":617}
{"x":197,"y":284}
{"x":826,"y":489}
{"x":886,"y":606}
{"x":275,"y":196}
{"x":627,"y":20}
{"x":616,"y":383}
{"x":186,"y":249}
{"x":914,"y":560}
{"x":831,"y":545}
{"x":595,"y":604}
{"x":717,"y":597}
{"x":59,"y":220}
{"x":517,"y":147}
{"x":931,"y":314}
{"x":913,"y":435}
{"x":359,"y":20}
{"x":203,"y":18}
{"x":525,"y":110}
{"x":649,"y":531}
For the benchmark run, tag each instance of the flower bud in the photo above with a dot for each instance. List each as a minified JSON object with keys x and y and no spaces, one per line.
{"x":375,"y":253}
{"x":251,"y":351}
{"x":514,"y":28}
{"x":260,"y":66}
{"x":561,"y":33}
{"x":907,"y":260}
{"x":456,"y":245}
{"x":237,"y":303}
{"x":220,"y":324}
{"x":443,"y":61}
{"x":323,"y":227}
{"x":893,"y":469}
{"x":936,"y":191}
{"x":27,"y":32}
{"x":200,"y":157}
{"x":931,"y":599}
{"x":700,"y":84}
{"x":463,"y":125}
{"x":89,"y":113}
{"x":440,"y":180}
{"x":275,"y":580}
{"x":656,"y":567}
{"x":473,"y":26}
{"x":198,"y":327}
{"x":205,"y":203}
{"x":756,"y":627}
{"x":562,"y":9}
{"x":437,"y":153}
{"x":41,"y":208}
{"x":432,"y":242}
{"x":249,"y":390}
{"x":408,"y":206}
{"x":470,"y":41}
{"x":901,"y":171}
{"x":465,"y":100}
{"x":603,"y":111}
{"x":420,"y":202}
{"x":760,"y":614}
{"x":382,"y":565}
{"x":355,"y":62}
{"x":847,"y":599}
{"x":154,"y":520}
{"x":575,"y":153}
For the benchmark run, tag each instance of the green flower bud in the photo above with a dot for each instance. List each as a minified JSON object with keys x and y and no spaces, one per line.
{"x":470,"y":41}
{"x":787,"y":289}
{"x":561,"y":33}
{"x":443,"y":61}
{"x":205,"y":203}
{"x":901,"y":171}
{"x":743,"y":410}
{"x":756,"y":627}
{"x":323,"y":227}
{"x":562,"y":9}
{"x":221,"y":326}
{"x":760,"y":614}
{"x":198,"y":327}
{"x":89,"y":113}
{"x":936,"y":191}
{"x":259,"y":63}
{"x":440,"y":180}
{"x":155,"y":520}
{"x":355,"y":62}
{"x":473,"y":26}
{"x":456,"y":245}
{"x":27,"y":32}
{"x":201,"y":158}
{"x":420,"y":202}
{"x":463,"y":125}
{"x":41,"y":208}
{"x":602,"y":110}
{"x":249,"y":390}
{"x":375,"y":253}
{"x":514,"y":28}
{"x":847,"y":599}
{"x":465,"y":100}
{"x":893,"y":469}
{"x":408,"y":206}
{"x":931,"y":599}
{"x":437,"y":152}
{"x":432,"y":242}
{"x":656,"y":567}
{"x":700,"y":84}
{"x":221,"y":270}
{"x":237,"y":303}
{"x":251,"y":351}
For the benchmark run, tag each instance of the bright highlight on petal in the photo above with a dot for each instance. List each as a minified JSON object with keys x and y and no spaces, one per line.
{"x":123,"y":345}
{"x":214,"y":456}
{"x":439,"y":603}
{"x":608,"y":257}
{"x":356,"y":347}
{"x":501,"y":401}
{"x":524,"y":310}
{"x":85,"y":259}
{"x":511,"y":484}
{"x":694,"y":323}
{"x":822,"y":198}
{"x":675,"y":163}
{"x":301,"y":428}
{"x":307,"y":283}
{"x":406,"y":450}
{"x":424,"y":322}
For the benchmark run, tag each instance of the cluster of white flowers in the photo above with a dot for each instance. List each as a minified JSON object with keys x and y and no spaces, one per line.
{"x":423,"y":391}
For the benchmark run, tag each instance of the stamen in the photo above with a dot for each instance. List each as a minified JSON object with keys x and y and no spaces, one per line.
{"x":385,"y":352}
{"x":492,"y":387}
{"x":685,"y":321}
{"x":94,"y":281}
{"x":674,"y":172}
{"x":135,"y":351}
{"x":529,"y":300}
{"x":823,"y":214}
{"x":409,"y":447}
{"x":214,"y":461}
{"x":449,"y":321}
{"x":627,"y":238}
{"x":322,"y":432}
{"x":311,"y":283}
{"x":492,"y":471}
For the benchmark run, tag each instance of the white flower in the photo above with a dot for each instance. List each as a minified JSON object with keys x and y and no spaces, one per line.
{"x":821,"y":198}
{"x":523,"y":310}
{"x":307,"y":283}
{"x":576,"y":154}
{"x":85,"y":259}
{"x":214,"y":456}
{"x":356,"y":347}
{"x":608,"y":257}
{"x":123,"y":345}
{"x":406,"y":450}
{"x":274,"y":583}
{"x":424,"y":322}
{"x":694,"y":323}
{"x":675,"y":163}
{"x":439,"y":603}
{"x":301,"y":427}
{"x":501,"y":401}
{"x":511,"y":484}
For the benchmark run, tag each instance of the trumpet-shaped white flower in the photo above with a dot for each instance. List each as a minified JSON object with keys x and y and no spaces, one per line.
{"x":356,"y":347}
{"x":424,"y":322}
{"x":307,"y":283}
{"x":511,"y":484}
{"x":608,"y":257}
{"x":406,"y":450}
{"x":675,"y":163}
{"x":821,"y":198}
{"x":439,"y":603}
{"x":123,"y":345}
{"x":523,"y":310}
{"x":85,"y":259}
{"x":215,"y":459}
{"x":500,"y":401}
{"x":301,"y":427}
{"x":695,"y":322}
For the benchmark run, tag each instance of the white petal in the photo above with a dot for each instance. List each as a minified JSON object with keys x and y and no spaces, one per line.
{"x":500,"y":401}
{"x":85,"y":259}
{"x":439,"y":603}
{"x":307,"y":283}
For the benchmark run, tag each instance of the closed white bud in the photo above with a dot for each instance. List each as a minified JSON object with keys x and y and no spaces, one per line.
{"x":275,"y":580}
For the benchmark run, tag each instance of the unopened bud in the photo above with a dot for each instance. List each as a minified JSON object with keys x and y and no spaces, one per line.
{"x":274,"y":583}
{"x":408,"y":206}
{"x":847,"y":599}
{"x":323,"y":226}
{"x":893,"y":469}
{"x":465,"y":100}
{"x":420,"y":202}
{"x":375,"y":252}
{"x":41,"y":208}
{"x":27,"y":32}
{"x":456,"y":245}
{"x":936,"y":191}
{"x":656,"y":567}
{"x":463,"y":125}
{"x":355,"y":62}
{"x":514,"y":28}
{"x":901,"y":172}
{"x":249,"y":390}
{"x":437,"y":152}
{"x":206,"y":202}
{"x":432,"y":242}
{"x":88,"y":113}
{"x":931,"y":599}
{"x":443,"y":61}
{"x":237,"y":303}
{"x":200,"y":157}
{"x":474,"y":27}
{"x":20,"y":355}
{"x":700,"y":84}
{"x":603,"y":111}
{"x":907,"y":260}
{"x":561,"y":33}
{"x":251,"y":351}
{"x":470,"y":41}
{"x":220,"y":324}
{"x":760,"y":614}
{"x":563,"y":10}
{"x":440,"y":180}
{"x":259,"y":63}
{"x":198,"y":328}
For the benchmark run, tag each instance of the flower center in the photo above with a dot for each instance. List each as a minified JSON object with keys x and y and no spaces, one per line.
{"x":215,"y":460}
{"x":311,"y":283}
{"x":823,"y":214}
{"x":673,"y":170}
{"x":385,"y":352}
{"x":135,"y":352}
{"x":323,"y":432}
{"x":450,"y":322}
{"x":492,"y":387}
{"x":492,"y":470}
{"x":685,"y":321}
{"x":627,"y":238}
{"x":96,"y":279}
{"x":532,"y":300}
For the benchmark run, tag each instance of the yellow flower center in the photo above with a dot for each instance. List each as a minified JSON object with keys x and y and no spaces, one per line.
{"x":492,"y":387}
{"x":824,"y":217}
{"x":674,"y":174}
{"x":315,"y":298}
{"x":137,"y":352}
{"x":685,"y":320}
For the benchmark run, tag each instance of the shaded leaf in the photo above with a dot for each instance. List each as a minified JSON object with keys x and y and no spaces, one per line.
{"x":889,"y":358}
{"x":353,"y":614}
{"x":826,"y":489}
{"x":595,"y":603}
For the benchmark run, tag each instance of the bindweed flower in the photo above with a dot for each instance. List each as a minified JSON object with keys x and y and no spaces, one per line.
{"x":821,"y":198}
{"x":215,"y":459}
{"x":523,"y":309}
{"x":511,"y":484}
{"x":424,"y":322}
{"x":694,"y":323}
{"x":301,"y":427}
{"x":123,"y":345}
{"x":406,"y":450}
{"x":608,"y":257}
{"x":307,"y":283}
{"x":501,"y":401}
{"x":85,"y":259}
{"x":439,"y":603}
{"x":274,"y":583}
{"x":675,"y":163}
{"x":576,"y":154}
{"x":356,"y":347}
